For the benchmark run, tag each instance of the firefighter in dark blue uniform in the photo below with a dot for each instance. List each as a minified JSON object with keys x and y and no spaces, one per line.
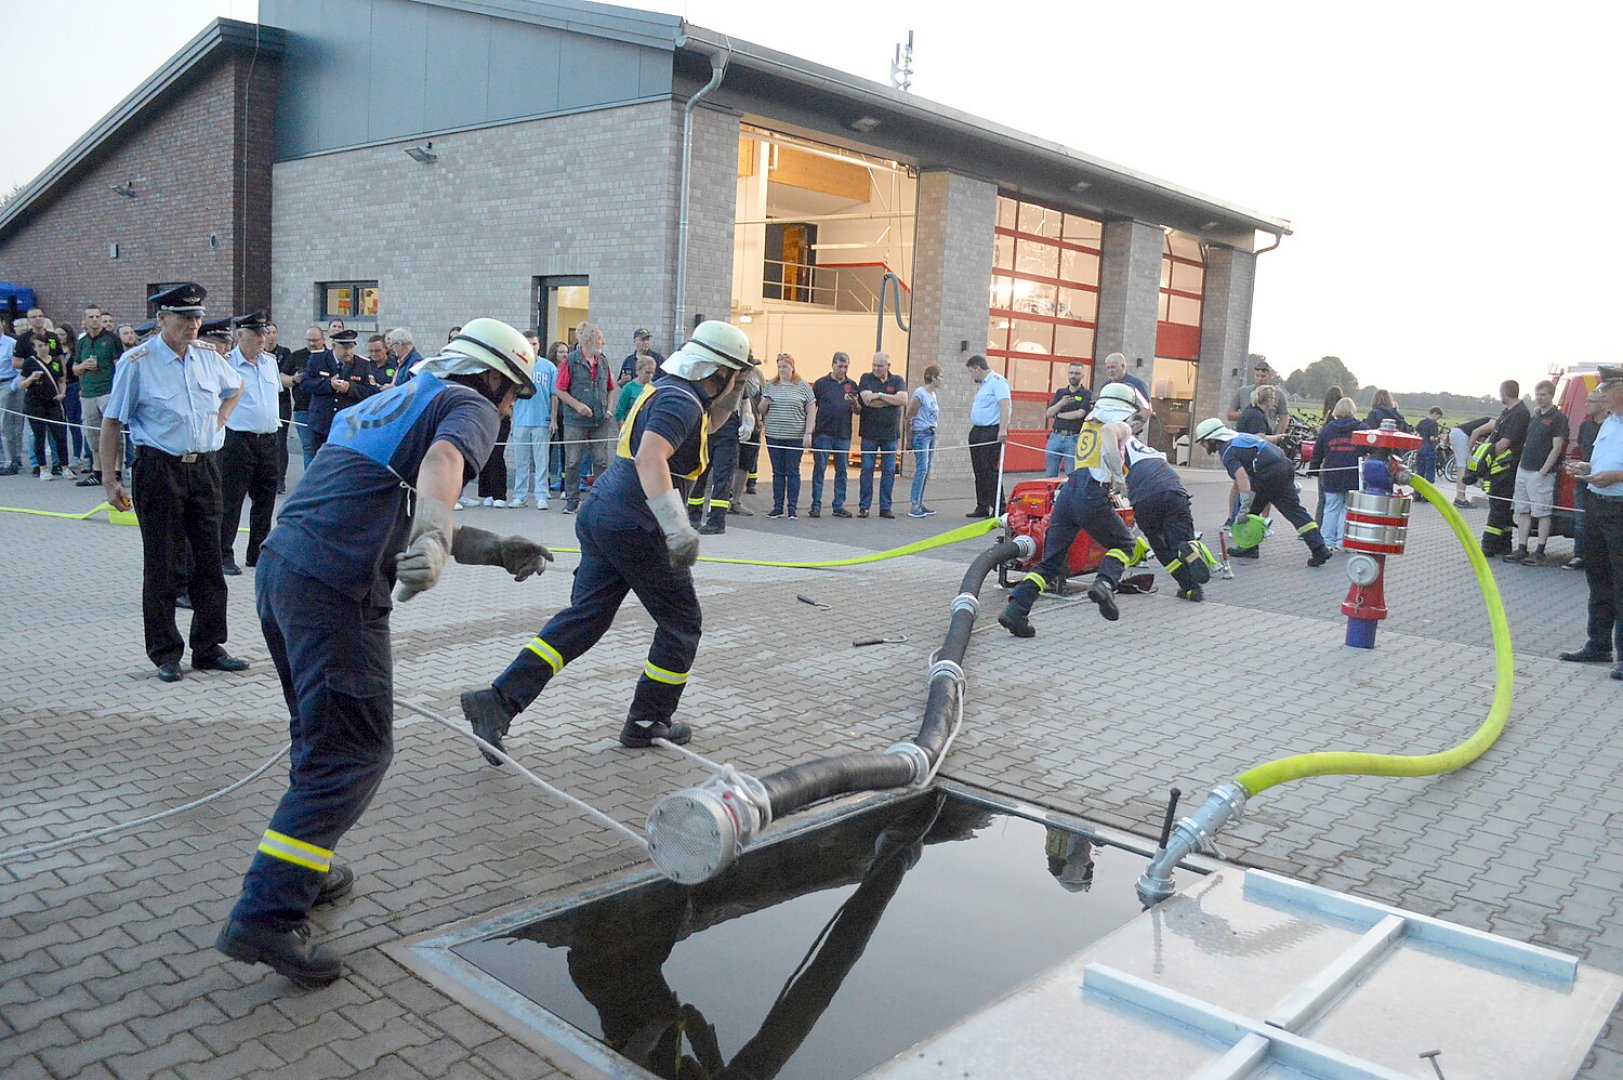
{"x":1161,"y":512}
{"x":336,"y":380}
{"x":715,"y":484}
{"x":635,"y":537}
{"x":347,"y":534}
{"x":1263,"y":477}
{"x":1084,"y":505}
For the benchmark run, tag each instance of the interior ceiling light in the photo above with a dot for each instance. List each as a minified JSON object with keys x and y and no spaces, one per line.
{"x":422,"y":154}
{"x":863,"y":123}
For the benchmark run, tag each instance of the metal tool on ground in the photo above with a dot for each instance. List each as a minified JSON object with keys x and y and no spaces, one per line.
{"x":897,"y":640}
{"x":804,"y":599}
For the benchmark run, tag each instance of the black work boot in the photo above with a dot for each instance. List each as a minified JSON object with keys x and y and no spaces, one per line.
{"x":1320,"y":556}
{"x":288,"y":952}
{"x":489,"y":717}
{"x":1194,"y":592}
{"x":1016,"y":622}
{"x":336,"y":884}
{"x":638,"y":734}
{"x":1103,"y":593}
{"x":716,"y":525}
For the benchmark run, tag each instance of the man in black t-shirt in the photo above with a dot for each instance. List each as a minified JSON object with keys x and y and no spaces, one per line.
{"x":882,"y":395}
{"x":1594,"y":413}
{"x":1068,"y":409}
{"x":836,"y":396}
{"x":1498,"y":469}
{"x":1541,"y":455}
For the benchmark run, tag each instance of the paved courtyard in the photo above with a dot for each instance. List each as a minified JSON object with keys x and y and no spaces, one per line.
{"x":106,"y":947}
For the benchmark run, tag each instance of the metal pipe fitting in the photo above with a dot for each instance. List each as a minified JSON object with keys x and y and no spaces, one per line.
{"x":1028,"y":546}
{"x":696,"y":833}
{"x":967,"y":601}
{"x":1193,"y":833}
{"x":916,"y":757}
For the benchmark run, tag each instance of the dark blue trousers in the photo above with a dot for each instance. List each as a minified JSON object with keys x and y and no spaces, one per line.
{"x":614,"y":562}
{"x":332,"y":654}
{"x":1082,"y":505}
{"x":1276,"y":486}
{"x":1167,"y":523}
{"x":716,"y":482}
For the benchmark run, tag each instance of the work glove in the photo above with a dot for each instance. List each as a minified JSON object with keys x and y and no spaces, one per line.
{"x":681,"y":539}
{"x":418,"y":568}
{"x":1247,"y":498}
{"x":518,"y":555}
{"x":729,"y":398}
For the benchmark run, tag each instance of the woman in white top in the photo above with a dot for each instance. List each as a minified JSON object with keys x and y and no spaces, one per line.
{"x":925,"y":410}
{"x":791,"y":412}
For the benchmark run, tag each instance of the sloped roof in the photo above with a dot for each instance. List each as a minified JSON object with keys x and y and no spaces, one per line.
{"x":194,"y":60}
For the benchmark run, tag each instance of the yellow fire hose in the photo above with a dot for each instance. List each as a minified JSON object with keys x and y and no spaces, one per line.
{"x":1227,"y":800}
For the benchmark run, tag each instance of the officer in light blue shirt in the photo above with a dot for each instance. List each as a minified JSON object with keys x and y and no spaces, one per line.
{"x":250,"y":460}
{"x":1602,"y":549}
{"x":176,"y":397}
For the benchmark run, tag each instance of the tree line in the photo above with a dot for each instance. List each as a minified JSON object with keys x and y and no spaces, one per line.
{"x":1311,"y":382}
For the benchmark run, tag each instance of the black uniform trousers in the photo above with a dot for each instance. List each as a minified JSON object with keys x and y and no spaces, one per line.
{"x":1083,"y":505}
{"x":1603,"y":567}
{"x":716,"y":482}
{"x":1275,"y":485}
{"x":1168,"y":524}
{"x":177,"y":504}
{"x":493,"y":477}
{"x":251,"y":466}
{"x":332,"y":655}
{"x":984,"y":451}
{"x":614,"y":562}
{"x":284,"y":413}
{"x":1501,"y":526}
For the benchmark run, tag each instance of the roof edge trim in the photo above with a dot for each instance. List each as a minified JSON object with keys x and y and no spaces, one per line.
{"x":220,"y":34}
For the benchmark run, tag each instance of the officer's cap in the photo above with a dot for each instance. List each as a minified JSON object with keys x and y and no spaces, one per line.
{"x":344,"y":337}
{"x":254,"y":320}
{"x":215,"y":330}
{"x":185,"y":299}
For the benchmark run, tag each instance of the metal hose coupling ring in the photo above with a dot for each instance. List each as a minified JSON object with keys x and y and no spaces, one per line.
{"x":917,"y":758}
{"x":1027,"y":545}
{"x":947,"y":668}
{"x":695,"y":834}
{"x":967,"y":601}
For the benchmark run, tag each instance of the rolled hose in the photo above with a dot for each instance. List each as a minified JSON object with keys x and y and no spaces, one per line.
{"x":1226,"y":801}
{"x":696,"y":833}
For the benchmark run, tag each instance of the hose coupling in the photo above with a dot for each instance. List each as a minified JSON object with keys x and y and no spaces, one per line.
{"x":696,"y":833}
{"x":1027,"y":546}
{"x":916,"y":757}
{"x":1191,"y":834}
{"x":967,"y":601}
{"x":948,"y":668}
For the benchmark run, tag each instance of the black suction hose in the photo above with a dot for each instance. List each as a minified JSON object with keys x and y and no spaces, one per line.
{"x":799,"y":786}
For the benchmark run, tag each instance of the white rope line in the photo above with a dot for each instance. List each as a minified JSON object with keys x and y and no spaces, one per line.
{"x":558,"y":793}
{"x":96,"y":834}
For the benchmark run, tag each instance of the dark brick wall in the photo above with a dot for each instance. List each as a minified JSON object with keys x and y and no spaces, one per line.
{"x":198,"y":171}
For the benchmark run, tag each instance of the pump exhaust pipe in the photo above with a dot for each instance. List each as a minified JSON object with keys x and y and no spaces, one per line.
{"x":696,"y":833}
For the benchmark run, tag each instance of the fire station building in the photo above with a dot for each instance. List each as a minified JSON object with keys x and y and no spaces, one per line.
{"x":420,"y":162}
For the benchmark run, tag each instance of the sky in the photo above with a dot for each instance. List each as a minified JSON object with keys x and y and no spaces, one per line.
{"x":1445,"y":167}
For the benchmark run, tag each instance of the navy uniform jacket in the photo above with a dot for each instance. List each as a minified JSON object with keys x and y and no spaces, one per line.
{"x":1255,"y":455}
{"x":674,"y":409}
{"x":349,"y":517}
{"x":325,"y":402}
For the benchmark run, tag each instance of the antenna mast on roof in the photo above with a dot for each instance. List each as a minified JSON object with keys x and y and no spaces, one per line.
{"x":901,"y":65}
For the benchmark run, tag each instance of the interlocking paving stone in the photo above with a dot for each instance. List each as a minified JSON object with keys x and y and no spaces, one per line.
{"x":107,"y":947}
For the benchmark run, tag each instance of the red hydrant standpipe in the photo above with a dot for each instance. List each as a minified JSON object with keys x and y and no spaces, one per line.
{"x":1377,"y":526}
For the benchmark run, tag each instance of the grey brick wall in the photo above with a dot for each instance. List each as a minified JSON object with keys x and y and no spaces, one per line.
{"x":952,"y":275}
{"x":195,"y":175}
{"x":1225,"y":334}
{"x":1129,"y":295}
{"x":592,"y":193}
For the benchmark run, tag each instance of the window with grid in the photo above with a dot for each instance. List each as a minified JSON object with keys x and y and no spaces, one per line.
{"x":1183,"y":287}
{"x":1045,"y":301}
{"x":357,"y":300}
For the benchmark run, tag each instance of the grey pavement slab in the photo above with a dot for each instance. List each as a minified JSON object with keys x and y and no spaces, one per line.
{"x":106,"y":946}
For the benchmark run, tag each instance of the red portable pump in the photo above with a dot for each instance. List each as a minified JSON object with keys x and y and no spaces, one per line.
{"x":1028,"y":509}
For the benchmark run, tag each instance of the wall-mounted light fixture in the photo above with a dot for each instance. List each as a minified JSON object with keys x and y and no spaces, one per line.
{"x":1211,"y":225}
{"x":863,"y":124}
{"x":126,"y":189}
{"x":424,"y":154}
{"x":1081,"y":185}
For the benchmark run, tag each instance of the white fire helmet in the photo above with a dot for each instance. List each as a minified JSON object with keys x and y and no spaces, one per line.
{"x":486,"y":345}
{"x":714,"y":344}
